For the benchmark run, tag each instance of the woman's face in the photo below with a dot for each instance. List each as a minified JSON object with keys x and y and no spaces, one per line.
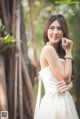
{"x":55,"y":32}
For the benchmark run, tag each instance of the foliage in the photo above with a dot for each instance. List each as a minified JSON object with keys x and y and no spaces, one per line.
{"x":42,"y":9}
{"x":7,"y":42}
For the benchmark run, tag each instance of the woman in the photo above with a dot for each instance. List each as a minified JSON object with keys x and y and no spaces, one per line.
{"x":56,"y":68}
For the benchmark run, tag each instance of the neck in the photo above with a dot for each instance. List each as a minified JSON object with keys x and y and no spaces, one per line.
{"x":53,"y":44}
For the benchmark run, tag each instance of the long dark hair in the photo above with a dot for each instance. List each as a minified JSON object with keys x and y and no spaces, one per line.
{"x":61,"y":52}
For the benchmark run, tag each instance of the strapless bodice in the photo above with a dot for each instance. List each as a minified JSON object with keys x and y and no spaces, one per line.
{"x":49,"y":80}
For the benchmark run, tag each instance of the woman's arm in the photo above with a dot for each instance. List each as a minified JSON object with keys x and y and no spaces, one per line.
{"x":62,"y":86}
{"x":62,"y":72}
{"x":67,"y":46}
{"x":55,"y":63}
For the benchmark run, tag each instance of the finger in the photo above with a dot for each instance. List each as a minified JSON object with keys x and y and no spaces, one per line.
{"x":64,"y":43}
{"x":61,"y":85}
{"x":62,"y":91}
{"x":62,"y":88}
{"x":61,"y":82}
{"x":64,"y":40}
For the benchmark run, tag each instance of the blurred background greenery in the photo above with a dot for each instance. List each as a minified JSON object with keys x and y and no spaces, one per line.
{"x":42,"y":9}
{"x":33,"y":19}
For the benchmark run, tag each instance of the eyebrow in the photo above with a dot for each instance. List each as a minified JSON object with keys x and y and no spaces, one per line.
{"x":54,"y":27}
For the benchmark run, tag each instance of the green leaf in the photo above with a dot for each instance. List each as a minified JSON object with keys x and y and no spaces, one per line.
{"x":7,"y":42}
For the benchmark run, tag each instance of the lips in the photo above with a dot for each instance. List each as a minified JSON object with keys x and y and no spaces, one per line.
{"x":55,"y":38}
{"x":52,"y":36}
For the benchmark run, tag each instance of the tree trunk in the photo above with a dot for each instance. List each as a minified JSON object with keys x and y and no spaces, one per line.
{"x":15,"y":76}
{"x":3,"y":89}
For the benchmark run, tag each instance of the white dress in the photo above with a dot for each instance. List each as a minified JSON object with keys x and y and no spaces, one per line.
{"x":54,"y":105}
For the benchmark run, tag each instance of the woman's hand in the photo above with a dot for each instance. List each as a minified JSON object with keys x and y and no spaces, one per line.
{"x":67,"y":44}
{"x":62,"y":86}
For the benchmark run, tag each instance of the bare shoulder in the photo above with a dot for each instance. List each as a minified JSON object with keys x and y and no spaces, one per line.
{"x":46,"y":52}
{"x":49,"y":53}
{"x":47,"y":49}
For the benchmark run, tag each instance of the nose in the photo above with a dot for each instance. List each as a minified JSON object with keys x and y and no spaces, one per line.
{"x":55,"y":31}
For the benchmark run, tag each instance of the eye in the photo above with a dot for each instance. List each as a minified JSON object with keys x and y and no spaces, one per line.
{"x":59,"y":28}
{"x":51,"y":28}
